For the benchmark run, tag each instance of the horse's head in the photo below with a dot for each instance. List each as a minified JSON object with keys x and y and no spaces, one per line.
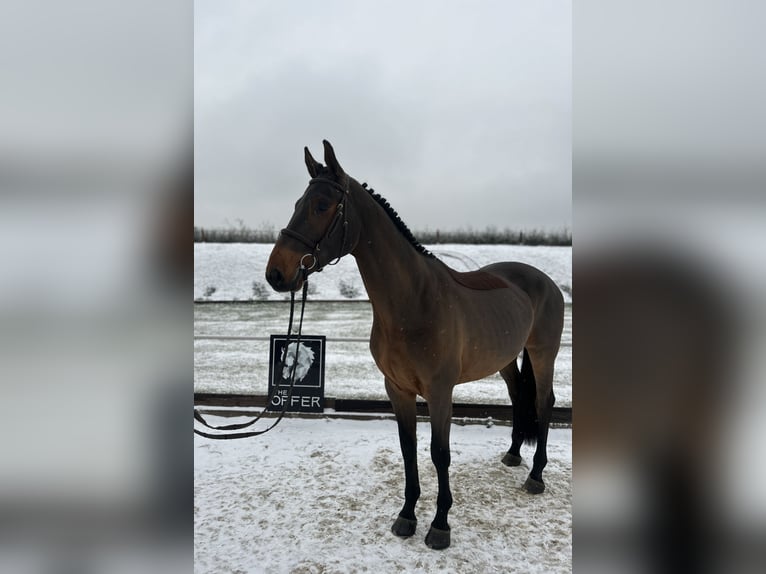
{"x":305,"y":360}
{"x":319,"y":230}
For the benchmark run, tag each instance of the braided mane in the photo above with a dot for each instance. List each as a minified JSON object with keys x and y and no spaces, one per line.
{"x":400,"y":225}
{"x":324,"y":171}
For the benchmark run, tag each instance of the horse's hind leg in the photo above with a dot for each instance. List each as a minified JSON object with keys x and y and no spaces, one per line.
{"x":541,"y":364}
{"x":405,"y":410}
{"x":512,"y":379}
{"x":531,"y":392}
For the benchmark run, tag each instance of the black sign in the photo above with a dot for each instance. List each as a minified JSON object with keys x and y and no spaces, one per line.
{"x":308,"y":390}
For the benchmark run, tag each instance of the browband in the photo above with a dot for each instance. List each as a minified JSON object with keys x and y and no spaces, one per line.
{"x":329,"y":181}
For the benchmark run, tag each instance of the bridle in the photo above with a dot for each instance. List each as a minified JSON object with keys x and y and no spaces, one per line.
{"x":316,"y":246}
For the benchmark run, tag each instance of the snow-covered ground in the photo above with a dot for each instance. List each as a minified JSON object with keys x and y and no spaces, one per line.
{"x":235,"y":271}
{"x":320,"y":495}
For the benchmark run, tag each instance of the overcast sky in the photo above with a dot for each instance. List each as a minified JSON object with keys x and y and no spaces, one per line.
{"x":457,"y":112}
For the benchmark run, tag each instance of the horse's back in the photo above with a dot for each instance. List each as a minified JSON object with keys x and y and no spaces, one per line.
{"x":529,"y":279}
{"x":478,"y":280}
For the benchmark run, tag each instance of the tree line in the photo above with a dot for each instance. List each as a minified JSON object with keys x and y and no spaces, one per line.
{"x":488,"y":236}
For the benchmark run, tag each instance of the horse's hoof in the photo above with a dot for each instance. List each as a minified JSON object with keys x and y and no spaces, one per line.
{"x":437,"y":539}
{"x":404,"y":527}
{"x":511,"y":459}
{"x":533,"y":486}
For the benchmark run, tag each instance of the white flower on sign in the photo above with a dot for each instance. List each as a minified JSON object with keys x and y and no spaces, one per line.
{"x":305,"y":360}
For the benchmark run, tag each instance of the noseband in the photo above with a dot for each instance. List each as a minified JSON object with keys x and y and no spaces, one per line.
{"x":315,"y":246}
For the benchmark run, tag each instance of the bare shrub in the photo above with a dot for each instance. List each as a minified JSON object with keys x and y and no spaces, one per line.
{"x":260,"y":291}
{"x":209,"y":290}
{"x":348,"y":289}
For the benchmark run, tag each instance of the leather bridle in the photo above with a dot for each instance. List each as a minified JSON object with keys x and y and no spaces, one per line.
{"x":338,"y":220}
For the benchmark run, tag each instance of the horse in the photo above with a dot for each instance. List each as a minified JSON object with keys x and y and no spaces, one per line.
{"x":305,"y":357}
{"x":433,"y":327}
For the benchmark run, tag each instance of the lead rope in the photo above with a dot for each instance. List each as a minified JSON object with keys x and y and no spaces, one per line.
{"x":238,"y":426}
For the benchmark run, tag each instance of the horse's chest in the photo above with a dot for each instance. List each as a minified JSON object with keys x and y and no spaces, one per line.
{"x":400,"y":356}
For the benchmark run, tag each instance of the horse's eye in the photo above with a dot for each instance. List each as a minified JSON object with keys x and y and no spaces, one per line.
{"x":322,"y":206}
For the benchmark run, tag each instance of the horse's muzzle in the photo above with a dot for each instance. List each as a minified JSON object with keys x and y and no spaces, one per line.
{"x":276,"y":279}
{"x":281,"y":284}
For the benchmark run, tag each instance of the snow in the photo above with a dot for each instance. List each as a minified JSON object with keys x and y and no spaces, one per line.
{"x":232,"y":269}
{"x":320,"y":495}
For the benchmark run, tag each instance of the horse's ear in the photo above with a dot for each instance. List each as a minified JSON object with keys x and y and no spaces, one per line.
{"x":311,"y":164}
{"x":331,"y":160}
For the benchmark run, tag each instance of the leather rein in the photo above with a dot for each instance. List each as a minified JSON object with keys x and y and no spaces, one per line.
{"x":315,"y":247}
{"x":270,"y":395}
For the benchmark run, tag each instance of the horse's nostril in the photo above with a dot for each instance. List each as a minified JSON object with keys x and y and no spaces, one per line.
{"x":275,"y":278}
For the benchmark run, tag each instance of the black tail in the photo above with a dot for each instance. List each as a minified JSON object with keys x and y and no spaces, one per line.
{"x":525,"y":415}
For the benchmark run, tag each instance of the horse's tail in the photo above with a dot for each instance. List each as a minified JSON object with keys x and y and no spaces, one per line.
{"x":527,"y":411}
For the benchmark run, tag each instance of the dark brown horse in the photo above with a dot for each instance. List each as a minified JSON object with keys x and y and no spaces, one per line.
{"x":433,"y":328}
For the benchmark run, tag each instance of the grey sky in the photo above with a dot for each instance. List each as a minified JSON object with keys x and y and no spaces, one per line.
{"x":459,"y":113}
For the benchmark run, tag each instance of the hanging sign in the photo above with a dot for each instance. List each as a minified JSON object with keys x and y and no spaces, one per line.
{"x":308,"y":390}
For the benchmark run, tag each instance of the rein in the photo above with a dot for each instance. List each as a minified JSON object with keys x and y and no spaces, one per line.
{"x":238,"y":426}
{"x":315,"y":247}
{"x":340,"y":214}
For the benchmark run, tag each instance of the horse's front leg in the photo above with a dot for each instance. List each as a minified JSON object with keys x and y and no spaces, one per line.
{"x":440,"y":411}
{"x":406,"y":418}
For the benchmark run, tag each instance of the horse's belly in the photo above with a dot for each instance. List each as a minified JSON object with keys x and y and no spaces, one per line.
{"x":478,"y":367}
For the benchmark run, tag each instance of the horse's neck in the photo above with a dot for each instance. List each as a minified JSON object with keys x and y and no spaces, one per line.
{"x":394,"y":273}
